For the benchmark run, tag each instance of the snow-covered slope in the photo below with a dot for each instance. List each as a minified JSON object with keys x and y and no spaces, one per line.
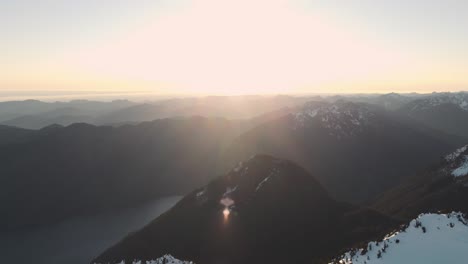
{"x":431,"y":238}
{"x":457,"y":162}
{"x":341,"y":118}
{"x":167,"y":259}
{"x":436,"y":99}
{"x":462,"y":170}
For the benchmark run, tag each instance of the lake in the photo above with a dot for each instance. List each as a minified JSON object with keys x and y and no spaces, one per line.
{"x":79,"y":240}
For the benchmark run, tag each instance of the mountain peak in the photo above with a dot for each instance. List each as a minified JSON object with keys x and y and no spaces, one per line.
{"x":266,"y":210}
{"x":166,"y":259}
{"x":341,"y":118}
{"x":458,"y":99}
{"x":392,"y":95}
{"x":259,"y":177}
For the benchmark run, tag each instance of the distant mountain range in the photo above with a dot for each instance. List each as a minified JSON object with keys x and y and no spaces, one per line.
{"x":375,"y":162}
{"x":357,"y":150}
{"x":33,"y":114}
{"x":58,"y":172}
{"x":446,"y":112}
{"x":430,"y":110}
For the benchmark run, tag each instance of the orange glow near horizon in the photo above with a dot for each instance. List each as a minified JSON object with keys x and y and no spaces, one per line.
{"x":236,"y":47}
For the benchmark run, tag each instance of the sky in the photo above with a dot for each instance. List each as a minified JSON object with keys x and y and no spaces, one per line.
{"x":171,"y":47}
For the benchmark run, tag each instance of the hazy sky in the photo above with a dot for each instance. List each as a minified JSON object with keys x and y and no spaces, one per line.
{"x":234,"y":47}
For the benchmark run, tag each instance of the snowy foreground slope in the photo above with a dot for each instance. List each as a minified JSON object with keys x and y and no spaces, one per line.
{"x":431,"y":238}
{"x":167,"y":259}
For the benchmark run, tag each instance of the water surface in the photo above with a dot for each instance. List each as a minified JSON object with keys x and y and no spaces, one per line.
{"x":79,"y":240}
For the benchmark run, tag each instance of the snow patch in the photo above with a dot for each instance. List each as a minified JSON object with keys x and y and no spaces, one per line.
{"x":229,"y":190}
{"x":464,"y":105}
{"x":238,"y":167}
{"x":436,"y":99}
{"x":431,"y":238}
{"x":261,"y":183}
{"x":201,"y":193}
{"x":340,"y":118}
{"x":273,"y":172}
{"x":166,"y":259}
{"x":453,"y":156}
{"x":462,"y":170}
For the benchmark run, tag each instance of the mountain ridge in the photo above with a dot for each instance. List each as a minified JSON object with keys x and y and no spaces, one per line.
{"x":265,"y":210}
{"x":366,"y":140}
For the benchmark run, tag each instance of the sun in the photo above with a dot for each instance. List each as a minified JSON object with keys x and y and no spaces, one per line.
{"x":206,"y":49}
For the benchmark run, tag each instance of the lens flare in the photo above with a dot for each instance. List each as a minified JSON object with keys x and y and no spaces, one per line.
{"x":226,"y":213}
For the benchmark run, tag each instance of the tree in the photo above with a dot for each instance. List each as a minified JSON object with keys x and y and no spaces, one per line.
{"x":417,"y":224}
